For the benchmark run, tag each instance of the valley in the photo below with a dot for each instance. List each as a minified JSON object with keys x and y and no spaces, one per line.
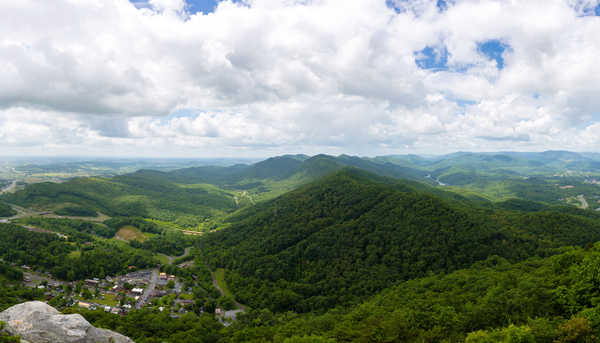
{"x":319,"y":248}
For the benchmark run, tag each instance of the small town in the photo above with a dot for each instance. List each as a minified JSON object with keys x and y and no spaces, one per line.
{"x":150,"y":288}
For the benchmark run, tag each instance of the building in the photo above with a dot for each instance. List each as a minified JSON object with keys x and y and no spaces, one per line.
{"x":137,"y":290}
{"x":163,"y":276}
{"x":92,"y":283}
{"x":84,"y":305}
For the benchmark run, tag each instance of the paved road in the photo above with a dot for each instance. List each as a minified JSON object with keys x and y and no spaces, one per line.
{"x":214,"y":282}
{"x":148,"y":290}
{"x":171,"y":258}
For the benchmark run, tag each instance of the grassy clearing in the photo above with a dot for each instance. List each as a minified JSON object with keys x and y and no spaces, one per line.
{"x":186,"y":296}
{"x":109,"y":300}
{"x":130,"y":233}
{"x":75,"y":254}
{"x":166,"y":225}
{"x":162,"y":258}
{"x":220,"y":278}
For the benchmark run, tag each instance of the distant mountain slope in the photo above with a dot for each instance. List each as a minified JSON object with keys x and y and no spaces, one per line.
{"x":300,"y":167}
{"x":144,"y":193}
{"x":353,"y":233}
{"x":546,"y":162}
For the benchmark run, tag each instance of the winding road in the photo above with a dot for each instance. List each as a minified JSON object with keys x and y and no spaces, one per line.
{"x":216,"y":285}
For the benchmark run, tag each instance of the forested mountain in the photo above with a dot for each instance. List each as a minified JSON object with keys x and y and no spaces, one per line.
{"x":542,"y":300}
{"x":522,"y":162}
{"x":192,"y":194}
{"x":352,"y":234}
{"x":282,"y":167}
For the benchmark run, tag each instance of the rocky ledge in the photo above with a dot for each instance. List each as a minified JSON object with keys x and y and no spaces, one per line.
{"x":37,"y":322}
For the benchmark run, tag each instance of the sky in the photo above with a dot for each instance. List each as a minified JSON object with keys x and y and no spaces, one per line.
{"x":251,"y":78}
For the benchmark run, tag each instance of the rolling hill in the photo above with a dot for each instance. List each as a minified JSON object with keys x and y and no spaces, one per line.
{"x":352,"y":234}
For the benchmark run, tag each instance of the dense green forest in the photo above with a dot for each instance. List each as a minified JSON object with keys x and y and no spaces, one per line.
{"x":554,"y":299}
{"x":352,"y":234}
{"x":140,"y":223}
{"x":49,"y":252}
{"x":6,"y":211}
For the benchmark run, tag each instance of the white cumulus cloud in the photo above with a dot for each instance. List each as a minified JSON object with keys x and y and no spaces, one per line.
{"x":275,"y":76}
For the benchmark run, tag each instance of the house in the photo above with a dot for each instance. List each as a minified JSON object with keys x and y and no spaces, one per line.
{"x":84,"y":305}
{"x":115,"y":310}
{"x":163,"y":276}
{"x":92,"y":283}
{"x":219,"y":311}
{"x":107,"y":308}
{"x":171,"y":278}
{"x":137,"y":290}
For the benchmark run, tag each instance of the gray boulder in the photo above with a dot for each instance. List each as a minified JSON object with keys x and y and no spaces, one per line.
{"x":37,"y":322}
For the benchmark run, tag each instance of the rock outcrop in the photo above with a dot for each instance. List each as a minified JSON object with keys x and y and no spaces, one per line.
{"x":37,"y":322}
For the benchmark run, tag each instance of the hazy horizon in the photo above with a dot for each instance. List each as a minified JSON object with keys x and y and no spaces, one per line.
{"x":252,"y":159}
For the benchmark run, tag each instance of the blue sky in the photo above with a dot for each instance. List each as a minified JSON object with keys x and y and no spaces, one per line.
{"x":193,"y":6}
{"x":493,"y":50}
{"x":435,"y":58}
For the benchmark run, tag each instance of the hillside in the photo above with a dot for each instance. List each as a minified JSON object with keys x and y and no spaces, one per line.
{"x":546,"y":300}
{"x":280,"y":168}
{"x":144,"y":193}
{"x":6,"y":210}
{"x":191,"y":195}
{"x":351,"y":234}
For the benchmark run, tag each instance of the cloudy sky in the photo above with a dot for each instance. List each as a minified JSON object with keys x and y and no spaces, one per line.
{"x":263,"y":77}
